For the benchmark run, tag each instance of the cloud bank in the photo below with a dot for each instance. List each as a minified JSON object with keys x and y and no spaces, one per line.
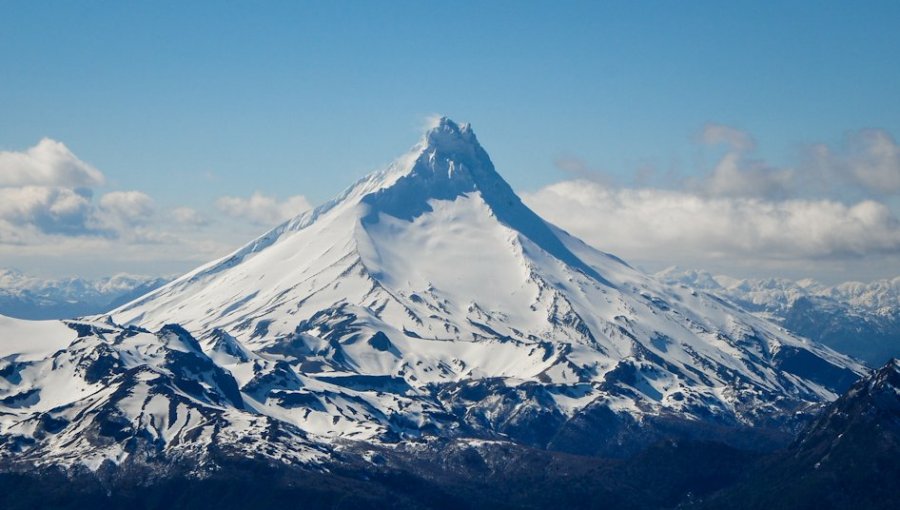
{"x":831,"y":210}
{"x":46,"y":191}
{"x":642,"y":221}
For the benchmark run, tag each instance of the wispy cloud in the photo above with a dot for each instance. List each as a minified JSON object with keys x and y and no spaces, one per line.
{"x":868,"y":159}
{"x":734,"y":138}
{"x":737,"y":173}
{"x":262,"y":209}
{"x":189,"y":216}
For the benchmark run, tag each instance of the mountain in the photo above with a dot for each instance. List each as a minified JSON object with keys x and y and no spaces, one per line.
{"x":849,"y":457}
{"x":424,"y":311}
{"x":37,"y":299}
{"x":859,"y":319}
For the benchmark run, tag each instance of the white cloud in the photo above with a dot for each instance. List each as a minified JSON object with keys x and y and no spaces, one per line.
{"x":736,"y":174}
{"x":188,"y":216}
{"x":51,"y":210}
{"x":127,"y":215}
{"x":47,"y":192}
{"x":868,"y":159}
{"x":866,"y":164}
{"x":127,"y":207}
{"x":49,"y":163}
{"x":685,"y":227}
{"x":262,"y":209}
{"x":740,"y":211}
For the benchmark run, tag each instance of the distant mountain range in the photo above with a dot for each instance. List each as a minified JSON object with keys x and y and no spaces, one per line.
{"x":27,"y":297}
{"x":859,"y":319}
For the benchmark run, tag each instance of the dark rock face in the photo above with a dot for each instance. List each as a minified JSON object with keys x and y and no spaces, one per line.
{"x":848,"y":457}
{"x":804,"y":364}
{"x":871,"y":337}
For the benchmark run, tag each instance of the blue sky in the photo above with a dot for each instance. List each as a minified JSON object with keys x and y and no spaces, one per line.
{"x":190,"y":102}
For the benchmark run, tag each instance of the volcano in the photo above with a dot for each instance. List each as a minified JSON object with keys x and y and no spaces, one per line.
{"x":425,"y":302}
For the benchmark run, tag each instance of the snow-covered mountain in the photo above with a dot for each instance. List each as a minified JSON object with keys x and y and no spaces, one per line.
{"x":426,"y":301}
{"x":27,"y":297}
{"x":860,"y":319}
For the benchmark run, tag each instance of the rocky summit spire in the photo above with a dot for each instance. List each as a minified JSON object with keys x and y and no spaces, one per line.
{"x":451,"y":137}
{"x":449,"y":162}
{"x":452,"y":157}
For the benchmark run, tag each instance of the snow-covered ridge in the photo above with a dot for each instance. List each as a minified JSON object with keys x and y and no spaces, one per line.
{"x":426,"y":299}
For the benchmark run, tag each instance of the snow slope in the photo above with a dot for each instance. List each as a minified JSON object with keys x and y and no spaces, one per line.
{"x":25,"y":340}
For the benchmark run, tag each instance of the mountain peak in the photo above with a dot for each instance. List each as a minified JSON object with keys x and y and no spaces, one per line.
{"x":447,"y":163}
{"x":450,"y":151}
{"x":889,"y":374}
{"x":444,"y":133}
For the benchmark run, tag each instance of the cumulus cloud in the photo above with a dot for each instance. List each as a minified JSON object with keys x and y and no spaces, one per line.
{"x":118,"y":211}
{"x":37,"y":209}
{"x":261,"y":209}
{"x":49,"y":163}
{"x":828,"y":208}
{"x":644,"y":224}
{"x":736,"y":175}
{"x":865,"y":164}
{"x":47,"y":191}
